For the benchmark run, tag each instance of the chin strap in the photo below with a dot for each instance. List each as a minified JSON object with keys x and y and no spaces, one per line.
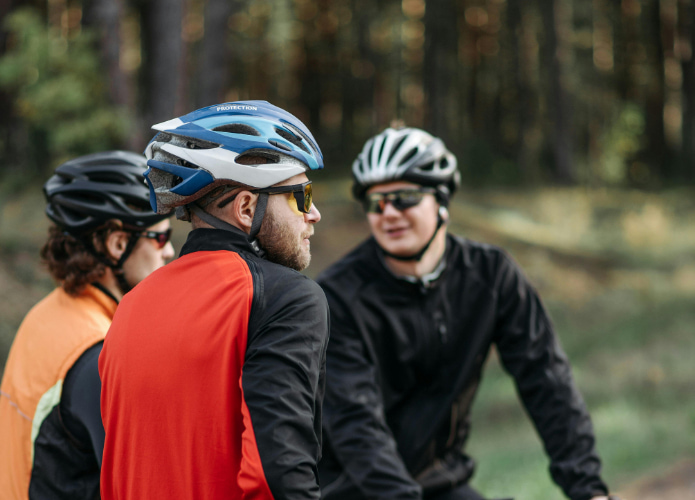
{"x":116,"y":267}
{"x":442,"y":217}
{"x":218,"y":223}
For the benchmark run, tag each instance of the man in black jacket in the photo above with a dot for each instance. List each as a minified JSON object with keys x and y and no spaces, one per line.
{"x":414,"y":312}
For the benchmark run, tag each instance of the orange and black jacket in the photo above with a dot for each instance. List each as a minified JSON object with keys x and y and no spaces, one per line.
{"x":213,"y":378}
{"x":50,"y":428}
{"x":404,"y":363}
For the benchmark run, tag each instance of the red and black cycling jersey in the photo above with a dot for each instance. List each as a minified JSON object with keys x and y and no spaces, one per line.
{"x":404,"y":363}
{"x":212,"y":378}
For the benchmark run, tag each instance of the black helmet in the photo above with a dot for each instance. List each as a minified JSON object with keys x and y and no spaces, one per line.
{"x":87,"y":191}
{"x":407,"y":154}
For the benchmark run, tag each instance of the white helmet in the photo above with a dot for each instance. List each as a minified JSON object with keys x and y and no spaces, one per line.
{"x":408,"y":154}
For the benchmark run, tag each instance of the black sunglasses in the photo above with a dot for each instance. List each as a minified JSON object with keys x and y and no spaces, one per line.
{"x":375,"y":203}
{"x":162,"y":238}
{"x":302,"y":194}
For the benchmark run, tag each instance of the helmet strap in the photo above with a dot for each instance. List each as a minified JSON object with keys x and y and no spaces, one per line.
{"x":117,"y":268}
{"x":418,"y":255}
{"x":218,"y":223}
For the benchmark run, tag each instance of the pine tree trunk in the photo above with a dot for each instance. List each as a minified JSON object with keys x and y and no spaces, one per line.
{"x":440,"y":69}
{"x":163,"y":59}
{"x":216,"y":56}
{"x":560,"y":99}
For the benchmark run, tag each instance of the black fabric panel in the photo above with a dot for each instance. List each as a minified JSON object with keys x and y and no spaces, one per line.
{"x":283,"y":376}
{"x":63,"y":467}
{"x":80,"y":407}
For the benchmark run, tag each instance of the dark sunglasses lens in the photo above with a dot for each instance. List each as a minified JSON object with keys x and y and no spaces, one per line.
{"x":374,"y":203}
{"x":407,"y":199}
{"x":401,"y":200}
{"x":162,"y":238}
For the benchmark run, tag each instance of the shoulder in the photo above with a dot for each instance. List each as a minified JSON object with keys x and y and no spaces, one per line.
{"x":482,"y":261}
{"x":277,"y":284}
{"x":352,"y":272}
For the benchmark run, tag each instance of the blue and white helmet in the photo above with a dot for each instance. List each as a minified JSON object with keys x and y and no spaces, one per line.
{"x":195,"y":153}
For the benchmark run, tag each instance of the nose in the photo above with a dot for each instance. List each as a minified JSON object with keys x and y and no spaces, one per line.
{"x":389,"y":210}
{"x":168,"y":251}
{"x":313,"y":216}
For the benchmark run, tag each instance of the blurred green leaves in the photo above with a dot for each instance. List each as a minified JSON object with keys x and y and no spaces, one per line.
{"x":59,"y":92}
{"x":621,"y":143}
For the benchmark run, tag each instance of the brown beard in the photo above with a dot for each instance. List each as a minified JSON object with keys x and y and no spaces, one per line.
{"x":281,"y":244}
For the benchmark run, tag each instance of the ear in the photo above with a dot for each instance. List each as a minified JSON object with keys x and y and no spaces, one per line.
{"x":116,"y":243}
{"x":444,"y":213}
{"x":240,"y":212}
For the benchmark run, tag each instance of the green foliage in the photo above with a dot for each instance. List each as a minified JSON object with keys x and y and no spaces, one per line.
{"x":58,"y":89}
{"x":621,"y":142}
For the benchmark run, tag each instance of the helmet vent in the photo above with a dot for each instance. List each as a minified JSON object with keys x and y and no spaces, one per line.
{"x":407,"y":157}
{"x":396,"y":147}
{"x":107,"y":178}
{"x":304,"y":136}
{"x":257,"y":158}
{"x":185,"y":163}
{"x":296,"y":140}
{"x":428,"y":167}
{"x":381,"y":149}
{"x":237,"y":128}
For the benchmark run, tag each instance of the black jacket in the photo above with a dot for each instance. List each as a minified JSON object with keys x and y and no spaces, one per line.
{"x":404,"y":363}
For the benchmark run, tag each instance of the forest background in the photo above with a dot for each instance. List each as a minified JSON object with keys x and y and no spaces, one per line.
{"x":573,"y":122}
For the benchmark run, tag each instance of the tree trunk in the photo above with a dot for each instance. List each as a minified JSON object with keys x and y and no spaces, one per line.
{"x":560,"y":98}
{"x":657,"y":148}
{"x":216,"y":56}
{"x":686,"y":14}
{"x":106,"y":16}
{"x":440,"y":69}
{"x":162,"y":59}
{"x":526,"y":99}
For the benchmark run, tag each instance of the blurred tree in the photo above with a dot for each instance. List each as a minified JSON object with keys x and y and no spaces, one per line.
{"x":59,"y":92}
{"x":686,"y":14}
{"x":556,"y":52}
{"x":657,"y":149}
{"x":162,"y":67}
{"x":216,"y":55}
{"x":105,"y":17}
{"x":440,"y":70}
{"x":570,"y":91}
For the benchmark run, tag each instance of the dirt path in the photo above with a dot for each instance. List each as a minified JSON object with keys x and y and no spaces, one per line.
{"x":675,"y":483}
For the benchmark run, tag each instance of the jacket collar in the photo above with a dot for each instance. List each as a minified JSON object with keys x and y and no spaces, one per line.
{"x":205,"y":239}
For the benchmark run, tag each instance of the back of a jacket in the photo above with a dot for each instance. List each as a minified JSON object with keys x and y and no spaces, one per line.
{"x":211,"y":374}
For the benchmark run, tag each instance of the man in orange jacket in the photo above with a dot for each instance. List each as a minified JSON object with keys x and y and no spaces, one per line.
{"x":104,"y":240}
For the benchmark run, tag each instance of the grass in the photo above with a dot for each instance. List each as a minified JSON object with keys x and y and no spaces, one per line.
{"x":616,"y":270}
{"x":632,"y":360}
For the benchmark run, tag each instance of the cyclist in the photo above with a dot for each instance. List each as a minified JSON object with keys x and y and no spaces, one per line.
{"x":213,"y":368}
{"x":105,"y":238}
{"x":414,"y":313}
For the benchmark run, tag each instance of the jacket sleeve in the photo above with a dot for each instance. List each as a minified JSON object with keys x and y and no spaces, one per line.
{"x":355,"y":424}
{"x":282,"y":383}
{"x":531,"y":353}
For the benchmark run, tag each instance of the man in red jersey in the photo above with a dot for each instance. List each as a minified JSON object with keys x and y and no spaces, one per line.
{"x":213,"y":371}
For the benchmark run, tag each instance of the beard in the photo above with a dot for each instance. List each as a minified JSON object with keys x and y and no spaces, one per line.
{"x":282,"y":244}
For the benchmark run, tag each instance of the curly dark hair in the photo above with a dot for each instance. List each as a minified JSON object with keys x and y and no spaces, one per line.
{"x":70,"y":262}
